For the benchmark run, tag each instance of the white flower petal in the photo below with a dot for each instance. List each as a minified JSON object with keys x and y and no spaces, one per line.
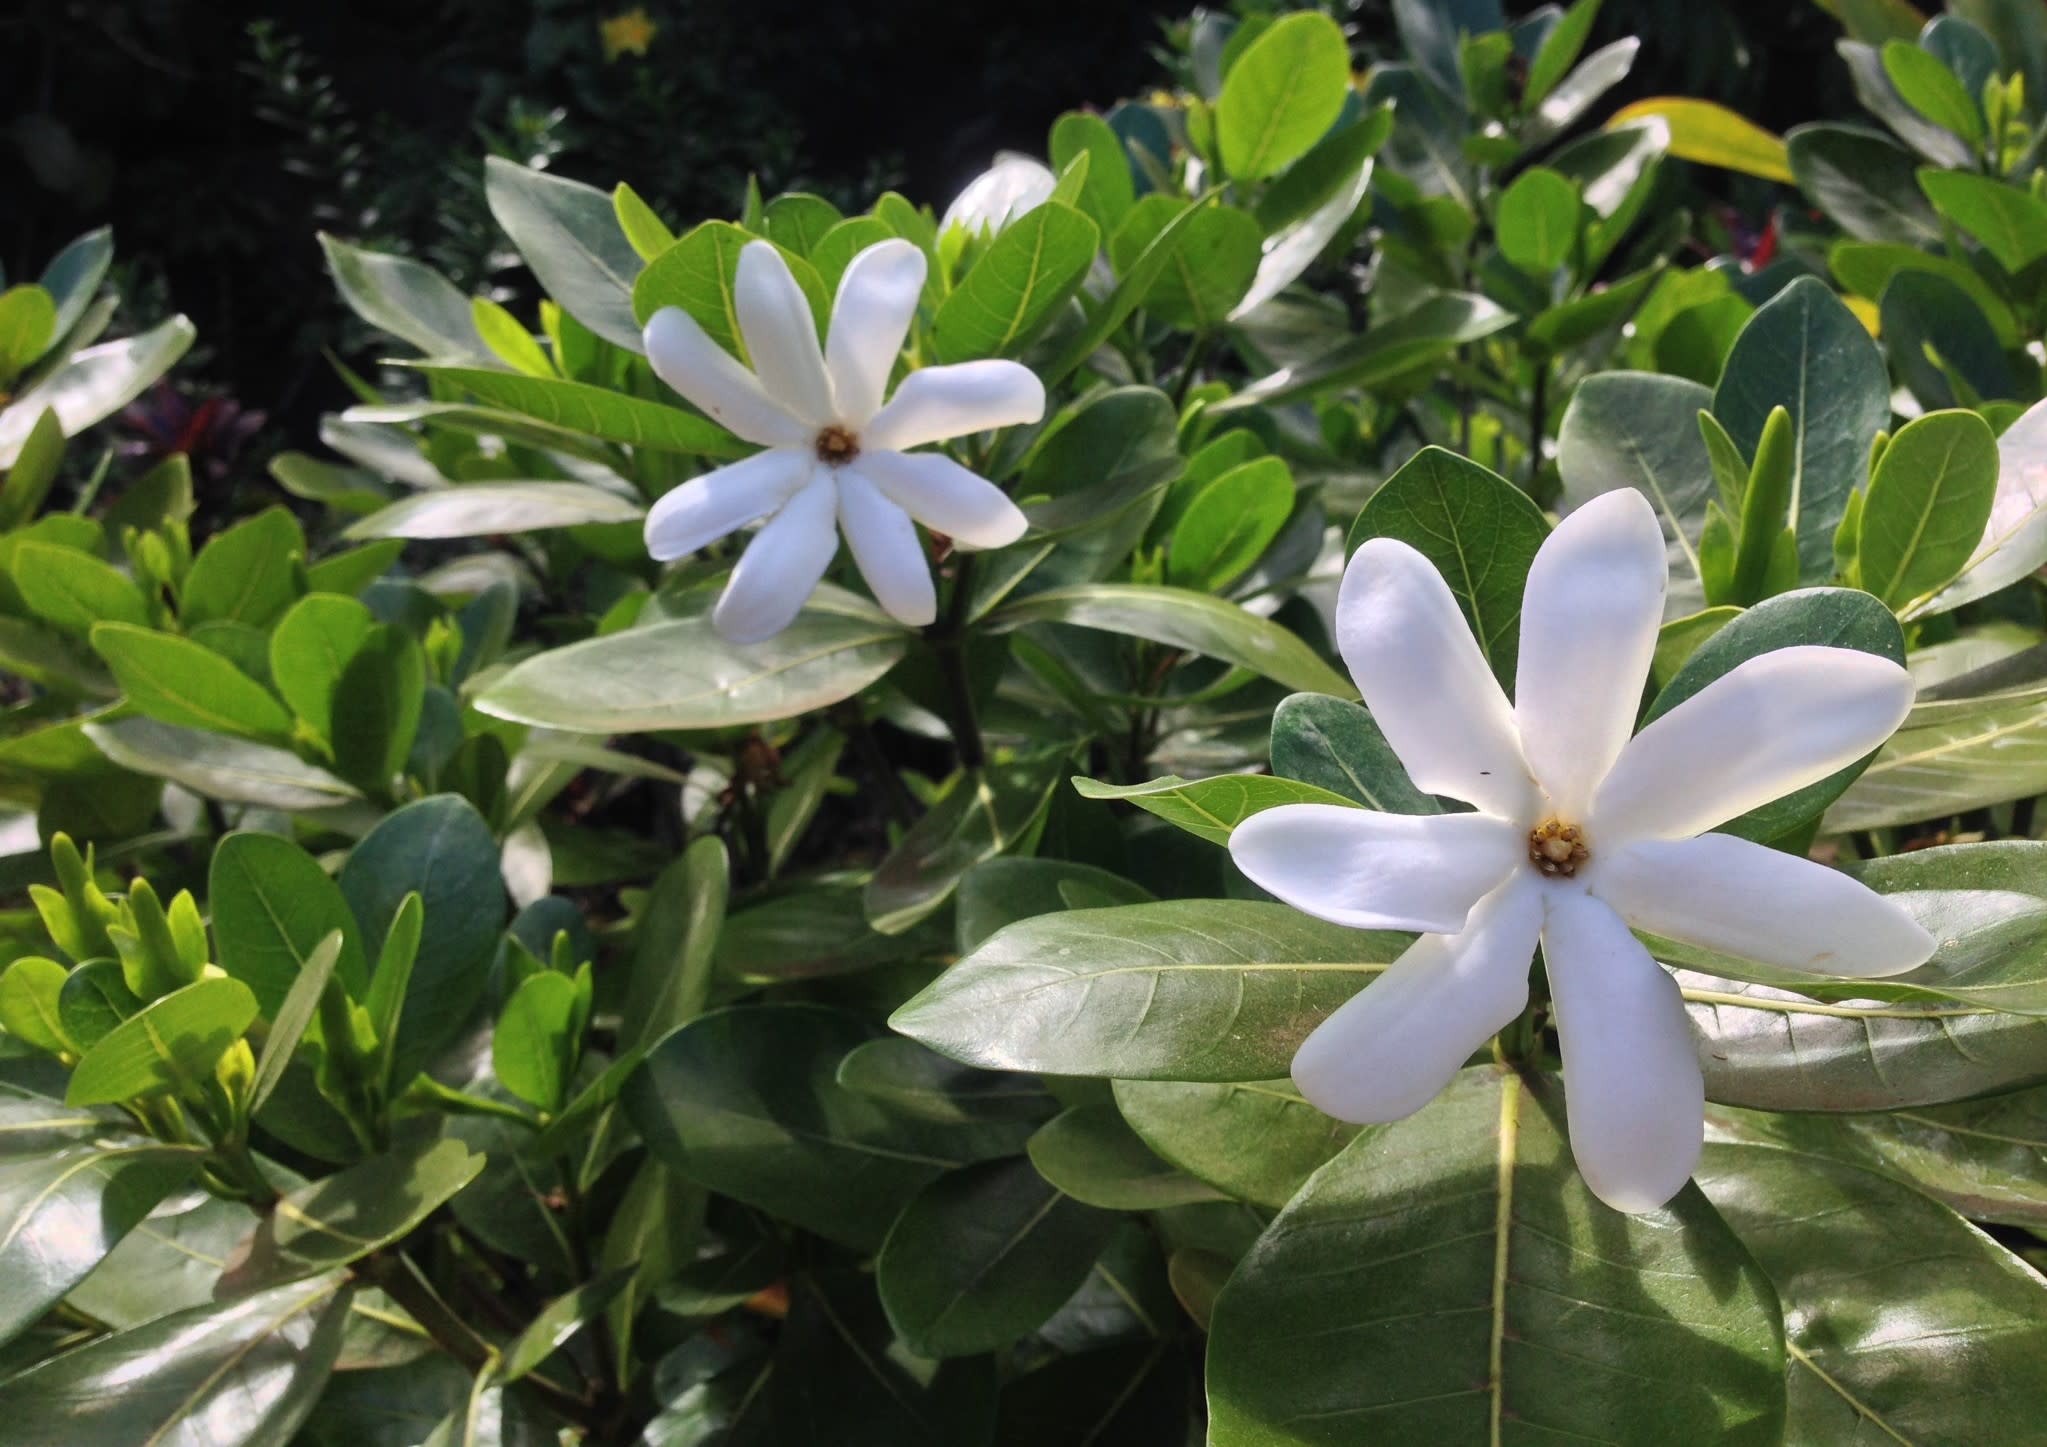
{"x":1588,"y":628}
{"x":1369,"y":870}
{"x":1420,"y":671}
{"x":1006,"y":190}
{"x":870,"y":318}
{"x":1388,"y":1049}
{"x":1727,"y":894}
{"x":1632,"y":1087}
{"x":1768,"y":727}
{"x":781,"y":567}
{"x":946,"y":497}
{"x":706,"y":508}
{"x":886,"y":546}
{"x":712,"y":380}
{"x":937,"y":403}
{"x":781,"y":334}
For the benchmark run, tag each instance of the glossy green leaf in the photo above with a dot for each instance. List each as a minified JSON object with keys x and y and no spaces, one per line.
{"x":1961,"y":762}
{"x":483,"y":509}
{"x":1479,"y":530}
{"x":745,"y":1101}
{"x":1849,"y":1254}
{"x":598,"y":411}
{"x":28,"y":324}
{"x":71,"y":590}
{"x":1865,"y":182}
{"x":677,"y":940}
{"x":1228,"y":525}
{"x":1110,"y":450}
{"x":401,"y":296}
{"x":1090,"y":1154}
{"x":310,"y":652}
{"x":290,"y":1020}
{"x":534,"y":1046}
{"x":1421,"y":335}
{"x":1183,"y":619}
{"x":983,"y":814}
{"x":559,"y":1320}
{"x":239,"y":1374}
{"x":2010,"y":223}
{"x":570,"y":236}
{"x":179,"y":682}
{"x":217,"y":767}
{"x":248,"y":574}
{"x":1212,"y":260}
{"x":1257,"y":1141}
{"x":1210,"y":808}
{"x":1537,"y":225}
{"x":983,"y":1255}
{"x":28,"y":1003}
{"x":911,"y":1080}
{"x":273,"y":905}
{"x":440,"y":849}
{"x":94,"y":384}
{"x":171,"y":1046}
{"x":796,"y":221}
{"x":1306,"y":209}
{"x":1003,"y":890}
{"x":1027,"y":273}
{"x":698,"y":273}
{"x":1805,"y":351}
{"x":681,"y":674}
{"x":1283,"y":92}
{"x":1187,"y":990}
{"x":345,"y":1216}
{"x":2015,"y":540}
{"x":1929,"y":498}
{"x":1109,"y":191}
{"x":1450,"y":1278}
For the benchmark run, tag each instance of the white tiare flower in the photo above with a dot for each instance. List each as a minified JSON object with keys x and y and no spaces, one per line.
{"x":1006,"y":190}
{"x":836,"y":458}
{"x":1580,"y":831}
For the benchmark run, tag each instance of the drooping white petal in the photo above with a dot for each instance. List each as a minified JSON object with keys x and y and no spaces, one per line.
{"x":711,"y":378}
{"x":1769,"y":726}
{"x":1426,"y":683}
{"x":781,"y":567}
{"x":1632,"y":1086}
{"x":886,"y":546}
{"x":1388,"y":1049}
{"x":1006,"y":190}
{"x":1727,"y":894}
{"x":871,"y":316}
{"x":937,"y":403}
{"x":781,"y":334}
{"x":1588,"y":628}
{"x":706,"y":508}
{"x":946,"y":497}
{"x":1369,"y":870}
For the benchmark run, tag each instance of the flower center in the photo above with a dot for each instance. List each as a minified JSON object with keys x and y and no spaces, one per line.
{"x":1557,"y":849}
{"x":836,"y":446}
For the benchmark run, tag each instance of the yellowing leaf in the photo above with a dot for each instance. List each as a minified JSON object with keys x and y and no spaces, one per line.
{"x":1712,"y":135}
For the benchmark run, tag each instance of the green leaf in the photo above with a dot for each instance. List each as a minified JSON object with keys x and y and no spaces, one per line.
{"x":172,"y":1045}
{"x":33,"y":472}
{"x":273,"y":907}
{"x":1419,"y":336}
{"x":1848,"y":1254}
{"x":440,"y":849}
{"x":1575,"y":322}
{"x":1335,"y":745}
{"x":310,"y":652}
{"x":1256,"y":1141}
{"x":698,"y":274}
{"x":1187,"y":990}
{"x":248,"y":574}
{"x":348,"y":573}
{"x":837,"y":248}
{"x":346,"y":1216}
{"x":647,"y":233}
{"x":1864,"y":182}
{"x":1228,"y":525}
{"x":169,"y":1262}
{"x":797,"y":221}
{"x":1559,"y":50}
{"x":1209,"y":808}
{"x":1111,"y":449}
{"x":508,"y":339}
{"x":910,"y":1080}
{"x":1004,"y":890}
{"x":1109,"y":191}
{"x":1308,"y":208}
{"x":1805,"y":350}
{"x":1951,"y":765}
{"x":1537,"y":225}
{"x":1027,"y":274}
{"x":94,"y":1000}
{"x":983,"y":814}
{"x":289,"y":1021}
{"x":1930,"y":88}
{"x":483,"y":509}
{"x":94,"y":384}
{"x":676,"y":944}
{"x":217,"y":767}
{"x":398,"y":295}
{"x":1091,"y":1155}
{"x":238,"y":1374}
{"x":179,"y":682}
{"x":1130,"y":292}
{"x":597,"y":412}
{"x":1640,"y":430}
{"x":1868,"y":268}
{"x":571,"y":239}
{"x":28,"y":1003}
{"x":679,"y":674}
{"x":559,"y":1320}
{"x":1940,"y":342}
{"x":1713,"y":135}
{"x":73,"y":275}
{"x":71,"y":590}
{"x":535,"y":1044}
{"x":2010,"y":223}
{"x":1496,"y":1281}
{"x":982,"y":1256}
{"x":745,"y":1102}
{"x":1284,"y":91}
{"x":385,"y":685}
{"x":1209,"y":268}
{"x":1479,"y":530}
{"x":28,"y":324}
{"x":2015,"y":540}
{"x":1183,"y":619}
{"x":1929,"y":498}
{"x":64,"y":1210}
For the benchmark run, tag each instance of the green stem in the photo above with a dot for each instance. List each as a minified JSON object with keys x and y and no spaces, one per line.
{"x":948,"y":640}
